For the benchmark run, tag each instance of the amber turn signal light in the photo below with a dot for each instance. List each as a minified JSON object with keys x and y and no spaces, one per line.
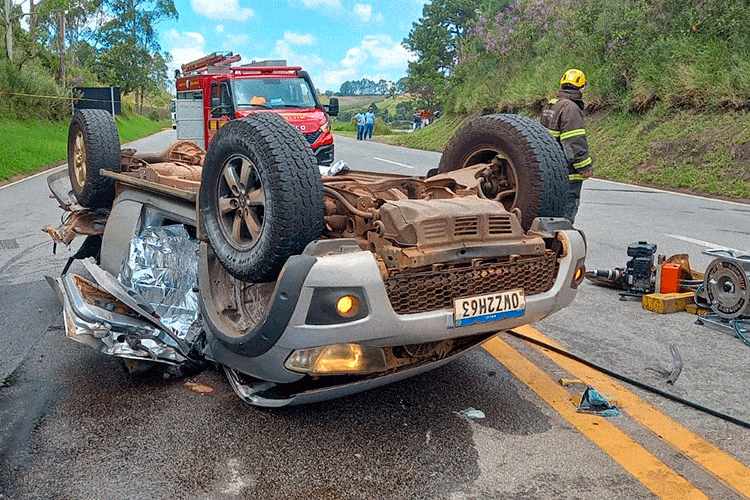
{"x":579,"y":274}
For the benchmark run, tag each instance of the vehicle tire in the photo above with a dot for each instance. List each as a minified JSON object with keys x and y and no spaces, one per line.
{"x":261,"y":196}
{"x":533,"y":173}
{"x":93,"y":144}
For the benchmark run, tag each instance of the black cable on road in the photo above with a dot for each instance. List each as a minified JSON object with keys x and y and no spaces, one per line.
{"x":631,"y":381}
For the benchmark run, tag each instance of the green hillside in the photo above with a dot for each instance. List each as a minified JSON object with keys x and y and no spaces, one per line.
{"x":668,"y":81}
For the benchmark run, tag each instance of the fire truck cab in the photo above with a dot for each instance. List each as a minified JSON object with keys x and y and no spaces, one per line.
{"x":211,"y":93}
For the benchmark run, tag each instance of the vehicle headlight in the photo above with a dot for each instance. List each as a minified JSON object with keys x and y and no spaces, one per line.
{"x":326,"y":127}
{"x":337,"y":359}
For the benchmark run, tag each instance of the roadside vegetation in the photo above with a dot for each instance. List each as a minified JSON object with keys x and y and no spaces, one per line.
{"x":76,"y":43}
{"x":667,"y":89}
{"x":30,"y":146}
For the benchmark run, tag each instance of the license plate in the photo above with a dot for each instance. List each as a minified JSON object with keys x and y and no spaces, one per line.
{"x":490,"y":307}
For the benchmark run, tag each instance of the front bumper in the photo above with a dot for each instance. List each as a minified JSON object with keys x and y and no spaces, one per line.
{"x":324,"y":154}
{"x":351,"y":268}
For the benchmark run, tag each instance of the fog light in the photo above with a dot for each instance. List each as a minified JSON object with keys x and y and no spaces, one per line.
{"x":347,"y":306}
{"x":337,"y":359}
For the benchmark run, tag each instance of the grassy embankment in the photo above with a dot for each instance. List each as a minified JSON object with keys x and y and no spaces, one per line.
{"x":31,"y":146}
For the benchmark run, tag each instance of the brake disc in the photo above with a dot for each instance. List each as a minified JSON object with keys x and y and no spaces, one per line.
{"x":726,"y":285}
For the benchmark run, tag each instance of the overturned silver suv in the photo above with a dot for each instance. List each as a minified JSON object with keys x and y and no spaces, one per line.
{"x":304,"y":286}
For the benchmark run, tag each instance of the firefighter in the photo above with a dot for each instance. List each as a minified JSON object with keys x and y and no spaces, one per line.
{"x":563,"y":117}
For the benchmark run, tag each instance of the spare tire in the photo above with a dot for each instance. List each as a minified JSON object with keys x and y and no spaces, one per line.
{"x":261,"y":196}
{"x":532,"y":174}
{"x":93,"y":144}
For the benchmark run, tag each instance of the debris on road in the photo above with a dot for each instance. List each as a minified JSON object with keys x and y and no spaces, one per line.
{"x":472,"y":413}
{"x":199,"y":388}
{"x":567,"y":382}
{"x":594,"y":403}
{"x":676,"y":366}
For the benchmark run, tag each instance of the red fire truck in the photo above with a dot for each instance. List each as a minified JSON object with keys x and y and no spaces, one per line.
{"x":211,"y":92}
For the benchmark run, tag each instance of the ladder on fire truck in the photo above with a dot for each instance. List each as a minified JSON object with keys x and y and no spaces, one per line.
{"x":220,"y":63}
{"x":207,"y":64}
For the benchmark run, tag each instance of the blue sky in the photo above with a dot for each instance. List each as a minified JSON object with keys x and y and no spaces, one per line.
{"x":334,"y":40}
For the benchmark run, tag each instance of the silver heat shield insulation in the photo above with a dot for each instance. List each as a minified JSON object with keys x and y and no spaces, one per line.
{"x":161,"y":269}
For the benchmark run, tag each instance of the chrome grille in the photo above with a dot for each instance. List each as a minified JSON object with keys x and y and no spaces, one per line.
{"x":424,"y":291}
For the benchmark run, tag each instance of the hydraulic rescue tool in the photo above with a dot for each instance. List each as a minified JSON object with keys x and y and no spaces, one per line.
{"x":725,"y":287}
{"x":637,"y":278}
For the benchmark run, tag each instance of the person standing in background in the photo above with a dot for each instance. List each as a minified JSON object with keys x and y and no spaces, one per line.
{"x":369,"y":123}
{"x":425,"y":117}
{"x":360,"y":117}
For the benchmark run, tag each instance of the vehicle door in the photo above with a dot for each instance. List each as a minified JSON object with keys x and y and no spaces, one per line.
{"x":222,"y":107}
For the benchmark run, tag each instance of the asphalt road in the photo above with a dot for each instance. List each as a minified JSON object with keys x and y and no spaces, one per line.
{"x":74,"y":425}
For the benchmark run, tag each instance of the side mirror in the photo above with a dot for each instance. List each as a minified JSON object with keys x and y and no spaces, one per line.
{"x":218,"y":108}
{"x":333,"y":106}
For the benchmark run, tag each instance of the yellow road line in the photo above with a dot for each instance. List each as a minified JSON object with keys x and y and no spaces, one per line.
{"x":724,"y":467}
{"x":645,"y":467}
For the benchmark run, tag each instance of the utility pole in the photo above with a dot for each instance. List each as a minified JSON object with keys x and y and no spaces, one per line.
{"x":8,"y":31}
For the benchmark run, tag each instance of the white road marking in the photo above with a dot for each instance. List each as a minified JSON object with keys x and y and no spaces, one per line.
{"x":393,"y":162}
{"x":646,"y":188}
{"x":49,"y":171}
{"x":706,"y":244}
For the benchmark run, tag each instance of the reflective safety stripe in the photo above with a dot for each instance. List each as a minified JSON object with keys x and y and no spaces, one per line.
{"x":572,"y":133}
{"x":582,"y":164}
{"x":555,"y":133}
{"x":576,"y":177}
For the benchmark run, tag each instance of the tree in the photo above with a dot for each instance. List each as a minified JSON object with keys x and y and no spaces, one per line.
{"x":11,"y":17}
{"x":425,"y":83}
{"x":134,"y":22}
{"x":130,"y":57}
{"x":435,"y":36}
{"x":61,"y":23}
{"x":434,"y":39}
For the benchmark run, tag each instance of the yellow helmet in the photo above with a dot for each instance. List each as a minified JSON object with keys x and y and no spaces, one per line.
{"x":574,"y":77}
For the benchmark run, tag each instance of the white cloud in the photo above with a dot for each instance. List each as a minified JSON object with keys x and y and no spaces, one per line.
{"x":235,"y":41}
{"x":219,"y":29}
{"x":354,"y":58}
{"x":297,"y":39}
{"x":387,"y":53}
{"x":363,"y":12}
{"x":227,"y":10}
{"x":332,"y":4}
{"x":376,"y":57}
{"x":283,"y":50}
{"x":184,"y":46}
